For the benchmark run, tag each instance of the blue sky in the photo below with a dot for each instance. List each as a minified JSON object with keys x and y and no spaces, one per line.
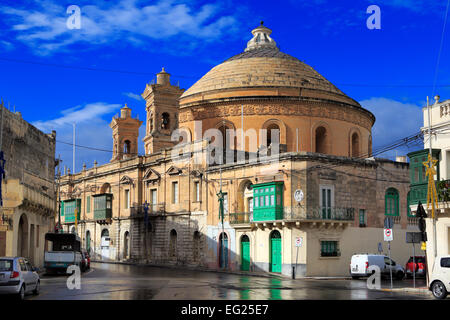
{"x":389,"y":71}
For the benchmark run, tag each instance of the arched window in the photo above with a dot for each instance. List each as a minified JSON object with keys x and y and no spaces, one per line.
{"x":173,"y":243}
{"x":225,"y":138}
{"x":126,"y":147}
{"x":408,"y":203}
{"x":321,"y":140}
{"x":165,"y":121}
{"x":355,"y":145}
{"x":273,"y":134}
{"x":391,"y":202}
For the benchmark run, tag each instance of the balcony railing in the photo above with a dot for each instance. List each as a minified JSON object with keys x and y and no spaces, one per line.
{"x":153,"y":209}
{"x":319,"y":213}
{"x":299,"y":213}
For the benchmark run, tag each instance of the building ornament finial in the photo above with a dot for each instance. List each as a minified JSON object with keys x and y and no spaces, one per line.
{"x":261,"y":38}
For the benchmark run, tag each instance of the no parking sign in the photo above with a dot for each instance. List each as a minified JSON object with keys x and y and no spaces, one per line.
{"x":388,"y":236}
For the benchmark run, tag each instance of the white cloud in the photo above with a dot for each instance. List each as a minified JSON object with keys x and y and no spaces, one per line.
{"x":134,"y":96}
{"x":44,"y":29}
{"x":394,"y":120}
{"x":92,"y":130}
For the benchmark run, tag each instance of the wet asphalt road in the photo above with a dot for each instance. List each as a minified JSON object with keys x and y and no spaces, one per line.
{"x":127,"y":282}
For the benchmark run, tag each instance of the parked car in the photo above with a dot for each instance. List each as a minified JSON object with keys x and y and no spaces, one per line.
{"x":360,"y":263}
{"x":18,"y":277}
{"x":440,"y":277}
{"x":85,"y":260}
{"x":419,"y":265}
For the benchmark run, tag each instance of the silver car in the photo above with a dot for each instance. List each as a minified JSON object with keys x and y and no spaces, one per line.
{"x":18,"y":276}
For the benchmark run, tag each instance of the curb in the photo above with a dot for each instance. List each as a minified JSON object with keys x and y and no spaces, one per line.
{"x":241,"y":273}
{"x":422,"y":291}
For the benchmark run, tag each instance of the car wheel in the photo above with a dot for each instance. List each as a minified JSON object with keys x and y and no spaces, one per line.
{"x":37,"y":289}
{"x":21,"y":294}
{"x":400,"y":275}
{"x":438,"y":290}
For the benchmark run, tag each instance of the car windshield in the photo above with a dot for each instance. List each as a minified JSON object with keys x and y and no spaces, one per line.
{"x":6,"y":265}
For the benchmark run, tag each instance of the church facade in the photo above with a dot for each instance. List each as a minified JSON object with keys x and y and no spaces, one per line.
{"x":288,"y":152}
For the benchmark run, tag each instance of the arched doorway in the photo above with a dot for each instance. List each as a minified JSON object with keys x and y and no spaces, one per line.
{"x":275,"y":251}
{"x":88,"y":241}
{"x":245,"y":253}
{"x":196,"y":251}
{"x":105,"y":244}
{"x":126,"y":245}
{"x":22,"y":237}
{"x":223,"y":251}
{"x":173,"y":244}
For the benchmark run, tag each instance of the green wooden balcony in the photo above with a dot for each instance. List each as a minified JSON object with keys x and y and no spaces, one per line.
{"x":102,"y":206}
{"x":68,"y":209}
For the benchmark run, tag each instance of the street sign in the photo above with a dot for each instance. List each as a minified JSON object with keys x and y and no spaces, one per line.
{"x":414,"y":237}
{"x":298,"y":241}
{"x":388,"y":223}
{"x":388,"y":236}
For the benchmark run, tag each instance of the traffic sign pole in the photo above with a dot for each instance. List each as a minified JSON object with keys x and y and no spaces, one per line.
{"x":390,"y":261}
{"x":414,"y":265}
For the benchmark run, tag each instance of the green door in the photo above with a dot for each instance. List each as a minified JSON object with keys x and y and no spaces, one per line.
{"x":275,"y":252}
{"x":245,"y":253}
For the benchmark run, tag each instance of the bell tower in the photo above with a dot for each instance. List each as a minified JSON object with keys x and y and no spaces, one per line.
{"x":162,"y":112}
{"x":125,"y":135}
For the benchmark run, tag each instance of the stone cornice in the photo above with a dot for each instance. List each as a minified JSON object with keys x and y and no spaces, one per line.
{"x":290,"y":106}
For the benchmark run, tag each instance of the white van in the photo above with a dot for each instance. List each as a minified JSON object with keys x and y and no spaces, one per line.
{"x":360,"y":263}
{"x":440,"y":277}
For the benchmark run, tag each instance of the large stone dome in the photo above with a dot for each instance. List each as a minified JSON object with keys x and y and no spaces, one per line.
{"x":268,"y":71}
{"x":271,"y":89}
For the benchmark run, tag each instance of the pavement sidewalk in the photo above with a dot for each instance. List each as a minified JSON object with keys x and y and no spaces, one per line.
{"x":184,"y":267}
{"x":418,"y":290}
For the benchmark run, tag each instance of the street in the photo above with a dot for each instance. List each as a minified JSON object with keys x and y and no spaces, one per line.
{"x":129,"y":282}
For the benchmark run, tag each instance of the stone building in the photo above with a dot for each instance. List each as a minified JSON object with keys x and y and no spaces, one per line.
{"x":438,"y":229}
{"x":28,"y":191}
{"x":284,"y":129}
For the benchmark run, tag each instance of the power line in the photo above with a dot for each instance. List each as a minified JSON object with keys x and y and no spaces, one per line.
{"x":86,"y":68}
{"x":367,"y":85}
{"x":440,"y":48}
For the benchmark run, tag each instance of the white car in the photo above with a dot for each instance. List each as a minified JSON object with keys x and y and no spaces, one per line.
{"x":360,"y":263}
{"x":440,"y":277}
{"x":18,"y":276}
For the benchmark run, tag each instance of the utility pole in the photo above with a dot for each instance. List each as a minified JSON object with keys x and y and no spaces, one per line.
{"x":73,"y":164}
{"x":59,"y":191}
{"x":430,"y":177}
